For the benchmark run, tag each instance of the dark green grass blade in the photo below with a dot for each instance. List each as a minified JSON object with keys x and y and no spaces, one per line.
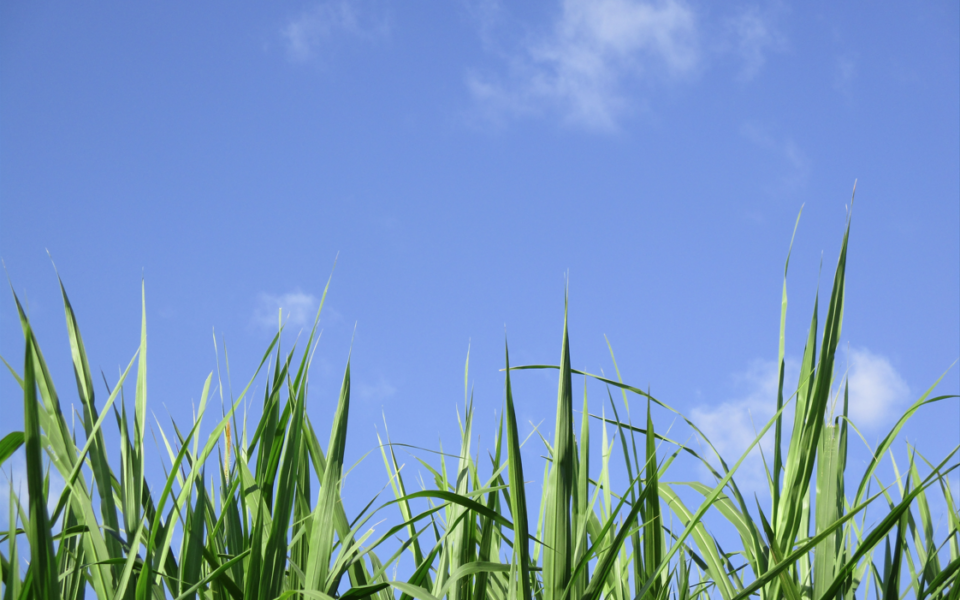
{"x":275,"y":553}
{"x":43,"y":561}
{"x":192,"y":548}
{"x":518,"y":495}
{"x":653,"y":542}
{"x":557,"y":530}
{"x":10,"y":444}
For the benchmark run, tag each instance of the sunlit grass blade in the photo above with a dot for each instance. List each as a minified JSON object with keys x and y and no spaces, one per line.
{"x":321,"y":536}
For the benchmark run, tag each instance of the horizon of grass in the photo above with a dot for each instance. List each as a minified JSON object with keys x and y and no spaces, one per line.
{"x":239,"y":515}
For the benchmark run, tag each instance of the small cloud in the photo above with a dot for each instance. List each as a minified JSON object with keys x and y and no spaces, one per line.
{"x":326,"y":21}
{"x":594,"y":49}
{"x":731,"y":426}
{"x":298,"y":309}
{"x":876,"y":392}
{"x":756,"y":35}
{"x":379,"y":391}
{"x":876,"y":389}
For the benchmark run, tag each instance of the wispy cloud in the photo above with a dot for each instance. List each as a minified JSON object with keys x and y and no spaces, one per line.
{"x":374,"y":392}
{"x":305,"y":35}
{"x":298,"y":309}
{"x":844,"y":74}
{"x":798,"y":165}
{"x":592,"y":52}
{"x":755,"y":34}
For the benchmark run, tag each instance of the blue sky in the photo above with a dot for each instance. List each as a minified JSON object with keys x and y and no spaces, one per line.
{"x":461,"y":158}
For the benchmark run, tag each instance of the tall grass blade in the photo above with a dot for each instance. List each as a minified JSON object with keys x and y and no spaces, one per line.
{"x":42,"y":559}
{"x":557,"y":534}
{"x":518,"y":496}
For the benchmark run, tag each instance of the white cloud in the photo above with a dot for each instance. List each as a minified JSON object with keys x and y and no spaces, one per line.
{"x":876,"y":389}
{"x":304,"y":35}
{"x":756,"y":35}
{"x":299,"y":309}
{"x":732,"y":425}
{"x":876,"y":393}
{"x":594,"y":49}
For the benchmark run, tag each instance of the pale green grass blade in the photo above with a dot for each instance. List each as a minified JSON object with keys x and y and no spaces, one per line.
{"x":135,"y":491}
{"x":357,"y":572}
{"x":160,"y":538}
{"x":703,"y":540}
{"x":399,"y":491}
{"x":460,"y":546}
{"x":70,"y":479}
{"x":414,"y":591}
{"x":321,"y":538}
{"x":707,"y":503}
{"x":753,"y":546}
{"x":866,"y":545}
{"x":888,"y":440}
{"x":469,"y":569}
{"x":777,"y":443}
{"x":98,"y":453}
{"x":13,"y":372}
{"x":11,"y":571}
{"x":827,"y":508}
{"x":607,"y":562}
{"x":925,"y":544}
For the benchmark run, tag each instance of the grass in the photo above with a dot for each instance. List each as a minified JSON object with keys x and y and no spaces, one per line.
{"x":238,"y":515}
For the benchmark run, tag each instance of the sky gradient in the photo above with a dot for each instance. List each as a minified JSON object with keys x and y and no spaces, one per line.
{"x":457,"y":161}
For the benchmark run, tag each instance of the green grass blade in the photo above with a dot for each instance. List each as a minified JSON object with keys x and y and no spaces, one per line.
{"x":10,"y":444}
{"x":321,"y":538}
{"x":557,"y":533}
{"x":98,"y":453}
{"x":827,"y":508}
{"x":653,"y":542}
{"x":518,"y":496}
{"x":42,"y":559}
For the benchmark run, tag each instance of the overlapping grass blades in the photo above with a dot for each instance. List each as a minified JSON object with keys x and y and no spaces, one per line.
{"x":257,"y":513}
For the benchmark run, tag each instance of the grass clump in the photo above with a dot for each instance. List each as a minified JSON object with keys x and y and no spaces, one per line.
{"x":239,"y":515}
